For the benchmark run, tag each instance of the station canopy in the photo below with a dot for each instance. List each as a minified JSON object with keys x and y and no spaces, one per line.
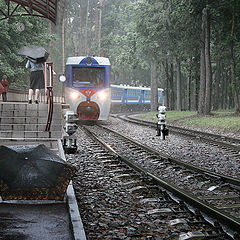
{"x":40,"y":8}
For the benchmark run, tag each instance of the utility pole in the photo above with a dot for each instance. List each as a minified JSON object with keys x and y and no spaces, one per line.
{"x":100,"y":26}
{"x":63,"y":46}
{"x":81,"y":33}
{"x":86,"y":30}
{"x":75,"y":44}
{"x":63,"y":55}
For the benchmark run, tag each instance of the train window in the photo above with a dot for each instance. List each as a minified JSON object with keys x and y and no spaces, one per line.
{"x":131,"y":93}
{"x":88,"y":77}
{"x":117,"y":92}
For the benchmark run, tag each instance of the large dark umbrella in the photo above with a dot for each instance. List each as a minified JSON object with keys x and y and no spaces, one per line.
{"x":34,"y":53}
{"x":33,"y":172}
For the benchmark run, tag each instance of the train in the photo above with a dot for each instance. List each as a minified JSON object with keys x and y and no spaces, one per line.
{"x":89,"y":93}
{"x":87,"y":87}
{"x":125,"y":94}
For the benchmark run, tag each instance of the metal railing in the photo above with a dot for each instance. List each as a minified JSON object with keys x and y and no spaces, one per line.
{"x":15,"y":95}
{"x":48,"y":66}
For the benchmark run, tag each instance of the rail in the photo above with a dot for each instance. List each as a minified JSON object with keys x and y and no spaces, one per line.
{"x":151,"y":168}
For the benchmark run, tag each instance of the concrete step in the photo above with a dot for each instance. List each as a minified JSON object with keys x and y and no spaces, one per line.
{"x":20,"y":110}
{"x":28,"y":120}
{"x":21,"y":121}
{"x":29,"y":127}
{"x":25,"y":113}
{"x":6,"y":106}
{"x":30,"y":134}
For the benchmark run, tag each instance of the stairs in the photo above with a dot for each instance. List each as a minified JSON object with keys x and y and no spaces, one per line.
{"x":27,"y":122}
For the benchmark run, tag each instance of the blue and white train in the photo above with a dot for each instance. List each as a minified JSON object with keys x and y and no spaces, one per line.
{"x":133,"y":95}
{"x":87,"y":87}
{"x":89,"y":93}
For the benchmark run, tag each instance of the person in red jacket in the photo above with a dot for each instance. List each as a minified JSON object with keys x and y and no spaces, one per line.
{"x":5,"y":85}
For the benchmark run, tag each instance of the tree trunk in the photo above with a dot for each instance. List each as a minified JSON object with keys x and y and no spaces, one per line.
{"x":60,"y":11}
{"x":154,"y":85}
{"x":171,"y":88}
{"x":63,"y":47}
{"x":75,"y":44}
{"x":66,"y":37}
{"x":195,"y":93}
{"x":179,"y":80}
{"x":99,"y":28}
{"x":233,"y":66}
{"x":217,"y":81}
{"x":63,"y":56}
{"x":96,"y":27}
{"x":163,"y":86}
{"x":189,"y":90}
{"x":81,"y":33}
{"x":201,"y":99}
{"x":195,"y":84}
{"x":207,"y":108}
{"x":86,"y":30}
{"x":223,"y":92}
{"x":91,"y":36}
{"x":72,"y":38}
{"x":167,"y":85}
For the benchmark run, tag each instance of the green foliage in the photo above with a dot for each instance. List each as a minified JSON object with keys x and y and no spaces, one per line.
{"x":122,"y":43}
{"x":35,"y":33}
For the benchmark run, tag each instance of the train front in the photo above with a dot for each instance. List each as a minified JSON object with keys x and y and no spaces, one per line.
{"x":87,"y":87}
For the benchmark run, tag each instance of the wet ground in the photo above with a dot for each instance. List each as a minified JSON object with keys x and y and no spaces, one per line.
{"x":34,"y":222}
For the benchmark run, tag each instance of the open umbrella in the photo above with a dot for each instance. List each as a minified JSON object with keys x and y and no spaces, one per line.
{"x":33,"y":172}
{"x":34,"y":53}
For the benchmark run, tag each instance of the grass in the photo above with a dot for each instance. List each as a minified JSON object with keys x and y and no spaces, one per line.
{"x":231,"y":123}
{"x":170,"y":116}
{"x":224,"y":120}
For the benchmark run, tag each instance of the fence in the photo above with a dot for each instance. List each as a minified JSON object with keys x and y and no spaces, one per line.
{"x":15,"y":95}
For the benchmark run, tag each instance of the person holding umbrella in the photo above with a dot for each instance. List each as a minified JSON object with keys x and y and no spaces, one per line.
{"x":36,"y":80}
{"x":36,"y":56}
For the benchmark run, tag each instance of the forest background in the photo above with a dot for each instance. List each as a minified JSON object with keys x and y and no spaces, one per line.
{"x":190,"y":48}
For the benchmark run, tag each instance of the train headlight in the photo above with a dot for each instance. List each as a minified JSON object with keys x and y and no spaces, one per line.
{"x":75,"y":95}
{"x":102,"y":96}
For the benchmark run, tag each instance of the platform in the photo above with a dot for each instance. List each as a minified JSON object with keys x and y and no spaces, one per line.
{"x":24,"y":124}
{"x":35,"y":222}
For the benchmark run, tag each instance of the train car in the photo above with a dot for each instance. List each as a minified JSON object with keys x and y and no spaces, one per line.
{"x":123,"y":94}
{"x":87,"y":87}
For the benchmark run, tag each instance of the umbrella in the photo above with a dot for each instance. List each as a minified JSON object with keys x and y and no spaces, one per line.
{"x":34,"y":53}
{"x":33,"y":172}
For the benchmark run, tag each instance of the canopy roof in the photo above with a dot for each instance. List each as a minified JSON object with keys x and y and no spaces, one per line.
{"x":41,"y":8}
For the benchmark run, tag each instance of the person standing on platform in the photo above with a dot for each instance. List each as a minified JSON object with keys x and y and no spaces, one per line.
{"x":5,"y":85}
{"x":36,"y":80}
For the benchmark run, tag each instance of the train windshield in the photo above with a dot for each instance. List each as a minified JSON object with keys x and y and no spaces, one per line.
{"x":88,"y":77}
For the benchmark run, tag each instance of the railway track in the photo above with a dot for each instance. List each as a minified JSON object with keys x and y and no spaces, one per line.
{"x":225,"y":142}
{"x":215,"y":195}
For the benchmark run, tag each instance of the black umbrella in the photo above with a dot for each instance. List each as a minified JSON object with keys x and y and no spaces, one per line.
{"x":33,"y":172}
{"x":34,"y":53}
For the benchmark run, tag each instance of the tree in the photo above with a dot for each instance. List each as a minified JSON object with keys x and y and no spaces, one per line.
{"x":11,"y":40}
{"x":178,"y":45}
